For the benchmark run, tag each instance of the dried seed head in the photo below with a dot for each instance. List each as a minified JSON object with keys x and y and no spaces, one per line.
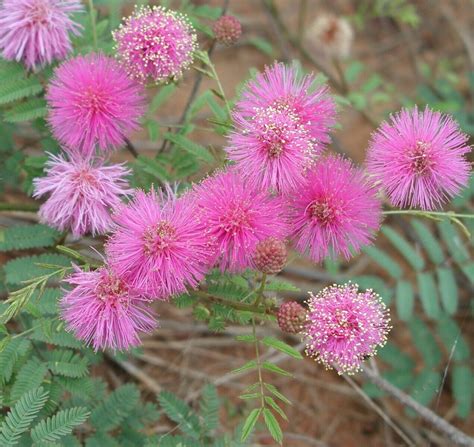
{"x":291,"y":317}
{"x":270,"y":256}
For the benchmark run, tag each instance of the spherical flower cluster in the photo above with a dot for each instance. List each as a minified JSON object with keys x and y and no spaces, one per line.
{"x":227,"y":30}
{"x":159,"y":246}
{"x":344,"y":326}
{"x":236,"y":217}
{"x":270,"y":256}
{"x":155,"y":43}
{"x":81,"y":194}
{"x":332,"y":35}
{"x":291,"y":317}
{"x":103,"y":310}
{"x":36,"y":32}
{"x":335,"y":211}
{"x":419,"y":158}
{"x":93,"y":104}
{"x":281,"y":126}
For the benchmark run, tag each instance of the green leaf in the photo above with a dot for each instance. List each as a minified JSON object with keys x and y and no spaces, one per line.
{"x":396,"y":358}
{"x":19,"y":88}
{"x":428,"y":294}
{"x":12,"y":349}
{"x":413,"y":258}
{"x":275,"y":369}
{"x":462,"y":384}
{"x":404,"y":296}
{"x":452,"y":338}
{"x":273,"y":425}
{"x":249,"y":365}
{"x":270,"y":401}
{"x":209,"y":407}
{"x":262,"y":45}
{"x":29,"y":377}
{"x":277,"y":285}
{"x":281,"y":346}
{"x":59,"y":425}
{"x":353,"y":71}
{"x":248,"y":338}
{"x":250,"y":396}
{"x":249,"y":423}
{"x":429,"y":242}
{"x":425,"y":343}
{"x":426,"y":387}
{"x":160,"y":98}
{"x":26,"y":111}
{"x":20,"y":416}
{"x":109,"y":414}
{"x":448,"y":289}
{"x":274,"y":390}
{"x":23,"y":237}
{"x":31,"y":267}
{"x":385,"y":261}
{"x":456,"y":245}
{"x":189,"y":146}
{"x":179,"y":412}
{"x":67,"y":363}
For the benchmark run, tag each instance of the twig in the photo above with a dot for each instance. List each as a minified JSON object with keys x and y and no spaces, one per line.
{"x":138,"y":374}
{"x":131,"y":148}
{"x":454,"y":434}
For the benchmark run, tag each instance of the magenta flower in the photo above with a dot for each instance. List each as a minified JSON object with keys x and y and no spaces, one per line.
{"x":282,"y":125}
{"x":237,"y":217}
{"x":93,"y":103}
{"x":81,"y":194}
{"x":419,"y":158}
{"x":335,"y":211}
{"x":37,"y":31}
{"x":344,"y":326}
{"x":155,"y":43}
{"x":103,"y":310}
{"x":159,"y":245}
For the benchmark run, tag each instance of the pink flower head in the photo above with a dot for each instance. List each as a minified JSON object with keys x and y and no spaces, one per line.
{"x":282,"y":124}
{"x":237,"y":217}
{"x":344,"y":326}
{"x":335,"y":211}
{"x":81,"y":194}
{"x":155,"y":43}
{"x":103,"y":310}
{"x":419,"y":158}
{"x":93,"y":103}
{"x":159,"y":245}
{"x":36,"y":31}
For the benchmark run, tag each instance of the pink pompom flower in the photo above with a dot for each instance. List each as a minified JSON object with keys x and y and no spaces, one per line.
{"x":93,"y":103}
{"x":282,"y":124}
{"x":237,"y":216}
{"x":419,"y":158}
{"x":36,"y":32}
{"x":104,"y":311}
{"x":155,"y":42}
{"x":159,"y":245}
{"x":81,"y":193}
{"x":344,"y":326}
{"x":335,"y":211}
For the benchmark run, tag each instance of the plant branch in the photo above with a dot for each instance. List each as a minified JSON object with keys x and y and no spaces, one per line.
{"x":131,"y":148}
{"x":455,"y":435}
{"x":448,"y":214}
{"x":92,"y":16}
{"x":29,"y":207}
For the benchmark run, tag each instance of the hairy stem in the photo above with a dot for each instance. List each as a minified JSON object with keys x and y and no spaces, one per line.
{"x":455,"y":435}
{"x":92,"y":16}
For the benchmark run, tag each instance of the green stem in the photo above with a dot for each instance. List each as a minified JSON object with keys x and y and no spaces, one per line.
{"x":30,"y":207}
{"x":234,"y":304}
{"x":259,"y":367}
{"x":260,"y":290}
{"x":92,"y":16}
{"x":448,"y":214}
{"x":221,"y":89}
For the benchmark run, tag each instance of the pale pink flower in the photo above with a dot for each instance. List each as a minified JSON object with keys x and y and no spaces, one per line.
{"x":282,"y":123}
{"x":236,"y":217}
{"x":419,"y":158}
{"x":36,"y":32}
{"x":155,"y":43}
{"x":93,"y":104}
{"x":81,"y":194}
{"x":104,"y":311}
{"x":335,"y":211}
{"x":159,"y":245}
{"x":344,"y":326}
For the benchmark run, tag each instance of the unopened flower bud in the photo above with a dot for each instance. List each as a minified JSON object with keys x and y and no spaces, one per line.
{"x":291,"y":317}
{"x":227,"y":30}
{"x":270,"y":256}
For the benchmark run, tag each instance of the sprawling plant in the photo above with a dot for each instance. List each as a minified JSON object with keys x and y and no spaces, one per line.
{"x":209,"y":229}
